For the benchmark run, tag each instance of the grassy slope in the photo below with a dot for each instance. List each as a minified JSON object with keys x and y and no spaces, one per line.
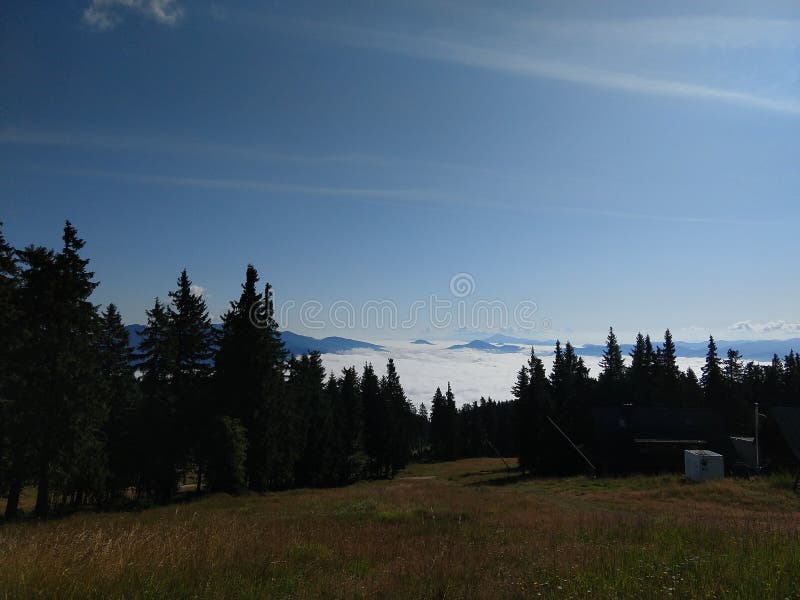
{"x":471,"y":531}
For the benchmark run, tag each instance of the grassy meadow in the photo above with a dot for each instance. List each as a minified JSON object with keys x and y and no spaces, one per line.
{"x":466,"y":529}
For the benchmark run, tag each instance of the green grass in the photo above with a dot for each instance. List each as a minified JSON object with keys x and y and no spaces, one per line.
{"x":466,"y":529}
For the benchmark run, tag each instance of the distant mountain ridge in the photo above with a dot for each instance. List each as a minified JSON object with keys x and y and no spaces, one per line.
{"x":295,"y":343}
{"x":485,"y":346}
{"x":301,"y":344}
{"x":501,"y":338}
{"x":759,"y":350}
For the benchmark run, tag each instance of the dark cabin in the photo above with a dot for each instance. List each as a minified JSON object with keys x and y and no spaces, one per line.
{"x":784,"y":450}
{"x":630,"y":439}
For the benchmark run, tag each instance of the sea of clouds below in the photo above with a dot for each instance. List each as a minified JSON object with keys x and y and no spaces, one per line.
{"x":472,"y":373}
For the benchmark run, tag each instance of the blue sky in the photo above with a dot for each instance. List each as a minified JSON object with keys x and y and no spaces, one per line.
{"x":627,"y":164}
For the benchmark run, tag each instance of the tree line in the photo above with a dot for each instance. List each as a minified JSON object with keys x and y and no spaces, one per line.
{"x":526,"y":426}
{"x":87,"y":419}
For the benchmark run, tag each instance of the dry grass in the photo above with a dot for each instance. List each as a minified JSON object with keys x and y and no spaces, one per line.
{"x":453,"y":530}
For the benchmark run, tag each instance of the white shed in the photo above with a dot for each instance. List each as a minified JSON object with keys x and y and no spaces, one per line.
{"x":702,"y":465}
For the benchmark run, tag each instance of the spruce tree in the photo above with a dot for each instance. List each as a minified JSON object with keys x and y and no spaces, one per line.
{"x":440,"y":427}
{"x":399,"y":420}
{"x":533,"y":407}
{"x":571,"y":392}
{"x":612,"y":365}
{"x":737,"y":410}
{"x":669,"y":360}
{"x":649,"y":355}
{"x":227,"y":453}
{"x":639,"y":372}
{"x":12,"y":336}
{"x":691,"y":393}
{"x":249,"y":375}
{"x":558,"y":373}
{"x":375,"y":420}
{"x":420,"y":445}
{"x":63,"y":390}
{"x":452,"y":423}
{"x":349,"y":427}
{"x":711,"y":381}
{"x":315,"y":419}
{"x":193,"y":341}
{"x":116,"y":357}
{"x":612,"y":377}
{"x":157,"y":417}
{"x":520,"y":387}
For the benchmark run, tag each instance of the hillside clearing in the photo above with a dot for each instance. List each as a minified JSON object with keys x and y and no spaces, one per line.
{"x":463,"y":529}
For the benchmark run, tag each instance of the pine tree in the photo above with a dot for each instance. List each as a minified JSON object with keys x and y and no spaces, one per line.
{"x":571,"y":391}
{"x":440,"y":427}
{"x":612,"y":377}
{"x":664,"y":379}
{"x":249,"y":375}
{"x":452,"y":423}
{"x":116,"y":357}
{"x":558,"y":372}
{"x":399,"y":420}
{"x":669,"y":361}
{"x":193,"y":340}
{"x":421,"y":446}
{"x":613,"y":367}
{"x":315,"y":419}
{"x":349,"y":425}
{"x":60,"y":400}
{"x":423,"y":411}
{"x":711,"y":381}
{"x":192,"y":334}
{"x":227,"y":454}
{"x":375,"y":420}
{"x":157,"y":417}
{"x":738,"y":412}
{"x":156,"y":354}
{"x":691,"y":392}
{"x":532,"y":409}
{"x":733,"y":368}
{"x":649,"y":355}
{"x":520,"y":386}
{"x":12,"y":337}
{"x":639,"y":372}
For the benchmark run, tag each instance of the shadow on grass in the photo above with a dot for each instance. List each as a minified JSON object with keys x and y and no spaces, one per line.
{"x":129,"y":505}
{"x":508,"y":478}
{"x":486,"y":472}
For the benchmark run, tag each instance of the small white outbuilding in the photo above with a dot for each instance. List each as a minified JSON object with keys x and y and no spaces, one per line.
{"x":702,"y":465}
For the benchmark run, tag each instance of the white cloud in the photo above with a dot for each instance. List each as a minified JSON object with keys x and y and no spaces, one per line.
{"x":104,"y":15}
{"x":770,"y":328}
{"x":472,"y":373}
{"x":197,"y":290}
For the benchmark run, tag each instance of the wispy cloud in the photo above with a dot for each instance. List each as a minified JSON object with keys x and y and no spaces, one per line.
{"x":105,"y":15}
{"x":393,"y":195}
{"x":182,"y":146}
{"x":721,"y":220}
{"x":528,"y":64}
{"x":700,"y":31}
{"x":433,"y":198}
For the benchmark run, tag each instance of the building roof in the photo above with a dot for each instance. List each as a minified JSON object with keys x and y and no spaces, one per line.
{"x":788,"y":420}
